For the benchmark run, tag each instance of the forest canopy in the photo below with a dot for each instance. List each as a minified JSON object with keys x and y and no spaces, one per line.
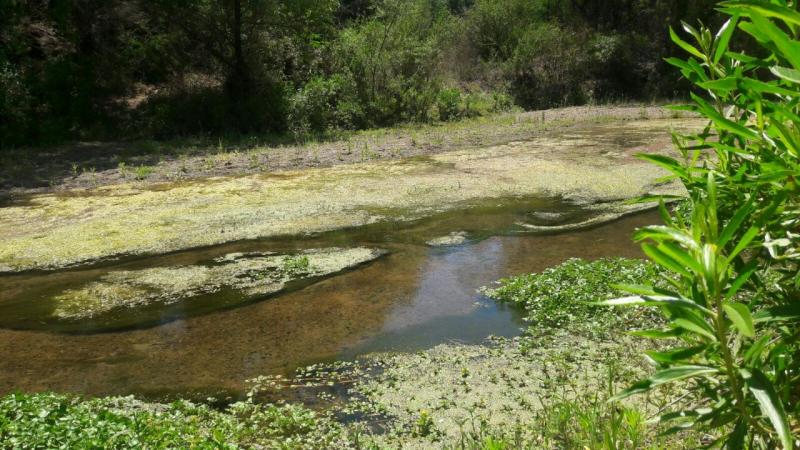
{"x":113,"y":69}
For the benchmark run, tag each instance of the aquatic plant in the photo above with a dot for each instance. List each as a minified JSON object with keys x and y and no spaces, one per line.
{"x":734,"y":344}
{"x":565,"y":296}
{"x":296,"y":265}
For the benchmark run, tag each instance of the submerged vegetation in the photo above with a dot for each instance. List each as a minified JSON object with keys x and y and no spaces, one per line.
{"x":587,"y":167}
{"x":147,"y":293}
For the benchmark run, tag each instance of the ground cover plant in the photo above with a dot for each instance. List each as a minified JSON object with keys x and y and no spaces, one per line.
{"x":44,"y":421}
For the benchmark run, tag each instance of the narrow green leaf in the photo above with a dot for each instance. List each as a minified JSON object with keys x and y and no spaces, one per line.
{"x":635,"y":289}
{"x":675,"y":355}
{"x":723,"y":38}
{"x":678,"y":254}
{"x":744,"y":274}
{"x":697,"y":326}
{"x":786,"y":73}
{"x":748,"y":7}
{"x":735,"y":440}
{"x":740,"y":315}
{"x":666,"y":162}
{"x":684,"y":45}
{"x":725,"y":85}
{"x":661,"y":233}
{"x":653,"y":300}
{"x":783,"y":313}
{"x":770,"y":404}
{"x":736,"y":221}
{"x":789,"y":48}
{"x":752,"y":357}
{"x":663,"y":260}
{"x":657,"y":334}
{"x":665,"y":376}
{"x":748,"y":237}
{"x":722,"y":122}
{"x":766,"y":88}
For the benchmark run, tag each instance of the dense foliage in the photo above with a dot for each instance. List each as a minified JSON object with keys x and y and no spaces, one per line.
{"x":62,"y":421}
{"x":565,"y":296}
{"x":135,"y":68}
{"x":733,"y":303}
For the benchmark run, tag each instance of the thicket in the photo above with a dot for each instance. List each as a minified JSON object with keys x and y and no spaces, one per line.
{"x":136,"y":68}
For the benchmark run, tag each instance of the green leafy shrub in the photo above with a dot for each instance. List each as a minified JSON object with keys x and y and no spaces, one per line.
{"x":394,"y":58}
{"x":565,"y":296}
{"x":448,"y":103}
{"x":323,"y":104}
{"x":549,"y":67}
{"x":735,"y":343}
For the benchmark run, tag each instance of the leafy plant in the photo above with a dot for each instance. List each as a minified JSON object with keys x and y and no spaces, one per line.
{"x":564,"y":295}
{"x":448,"y":104}
{"x":735,"y":334}
{"x":296,"y":265}
{"x":62,"y":421}
{"x":142,"y":172}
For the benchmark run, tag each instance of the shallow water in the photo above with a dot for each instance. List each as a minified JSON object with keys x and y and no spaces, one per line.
{"x":413,"y":298}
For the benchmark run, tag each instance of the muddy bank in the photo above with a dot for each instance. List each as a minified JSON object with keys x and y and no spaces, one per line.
{"x":590,"y":166}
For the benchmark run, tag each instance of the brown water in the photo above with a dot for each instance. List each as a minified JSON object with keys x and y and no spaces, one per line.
{"x":415,"y":297}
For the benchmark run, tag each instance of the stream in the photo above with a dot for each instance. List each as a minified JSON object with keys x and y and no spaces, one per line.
{"x":412,"y":298}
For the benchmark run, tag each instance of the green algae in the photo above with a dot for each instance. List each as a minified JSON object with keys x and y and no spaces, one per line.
{"x":137,"y":296}
{"x":497,"y":386}
{"x":59,"y":230}
{"x":454,"y":238}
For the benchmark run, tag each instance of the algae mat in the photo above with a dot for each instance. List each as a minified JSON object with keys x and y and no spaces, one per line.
{"x":124,"y":299}
{"x":589,"y":165}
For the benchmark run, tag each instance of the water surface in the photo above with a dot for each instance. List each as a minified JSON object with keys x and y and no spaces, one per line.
{"x":415,"y":297}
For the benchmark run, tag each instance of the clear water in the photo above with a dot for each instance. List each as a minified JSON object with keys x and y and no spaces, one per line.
{"x":415,"y":297}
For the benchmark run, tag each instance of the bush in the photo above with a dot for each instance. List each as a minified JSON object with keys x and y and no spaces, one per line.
{"x":393,"y":59}
{"x":548,"y":68}
{"x":323,"y":104}
{"x":200,"y":104}
{"x":15,"y":106}
{"x":448,"y":104}
{"x":735,"y":333}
